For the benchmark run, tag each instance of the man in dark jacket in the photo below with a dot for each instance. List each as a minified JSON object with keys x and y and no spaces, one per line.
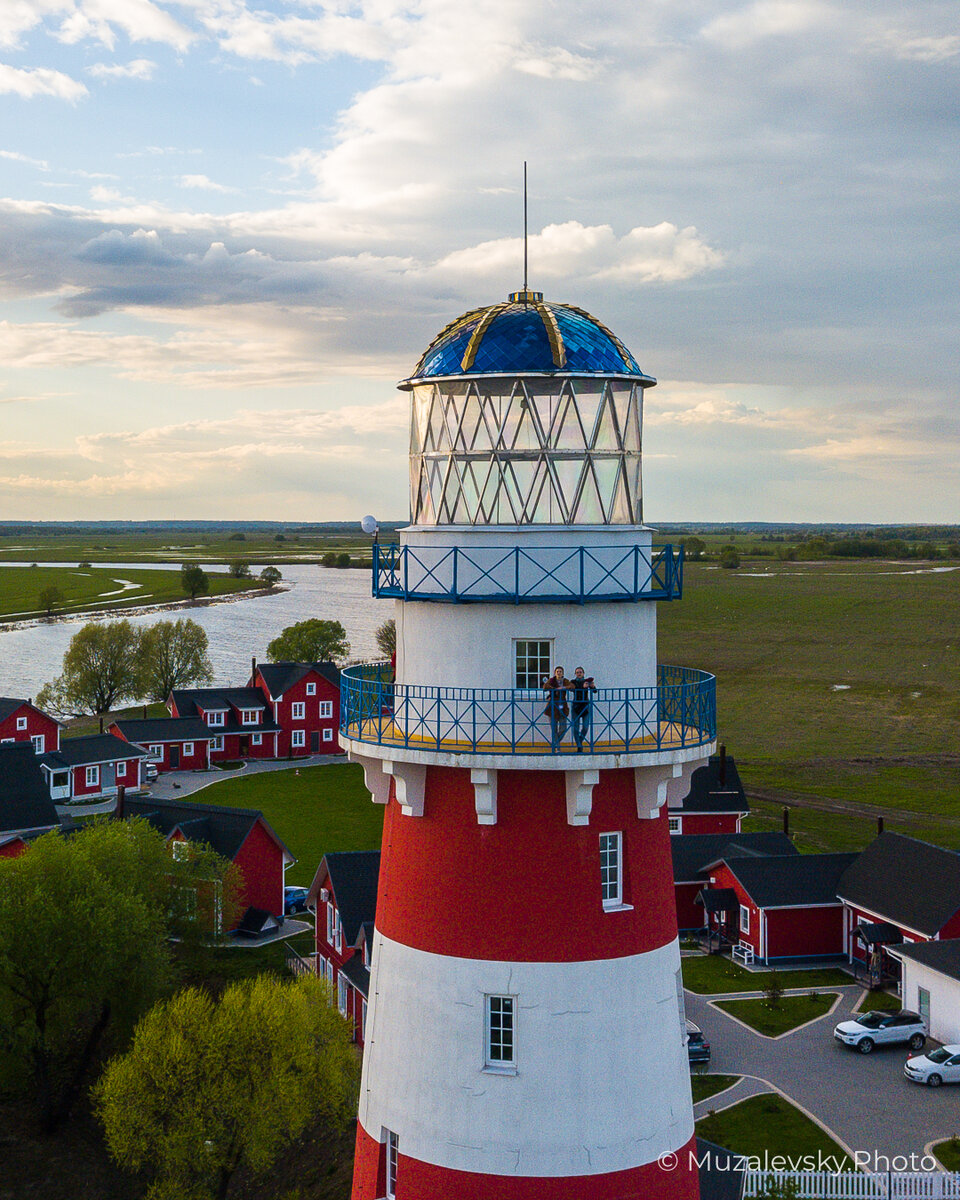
{"x":556,"y":688}
{"x":580,"y":708}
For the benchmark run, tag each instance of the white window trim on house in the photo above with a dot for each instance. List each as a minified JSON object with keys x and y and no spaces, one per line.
{"x":256,"y":739}
{"x":93,"y":776}
{"x":21,"y":723}
{"x":156,"y":754}
{"x":181,"y":850}
{"x":188,"y":749}
{"x":328,"y":735}
{"x":500,"y":1034}
{"x":342,"y":993}
{"x":121,"y":770}
{"x":298,"y":711}
{"x":216,"y":718}
{"x":249,"y":716}
{"x":326,"y":710}
{"x":39,"y":742}
{"x":331,"y":924}
{"x":744,"y":919}
{"x":311,"y":689}
{"x":675,"y":824}
{"x":529,"y":669}
{"x":298,"y":738}
{"x":217,"y":743}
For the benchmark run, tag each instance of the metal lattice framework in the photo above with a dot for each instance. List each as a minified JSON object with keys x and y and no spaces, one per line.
{"x":677,"y":714}
{"x":526,"y":451}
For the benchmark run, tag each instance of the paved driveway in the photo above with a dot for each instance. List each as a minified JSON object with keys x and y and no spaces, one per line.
{"x":176,"y":784}
{"x":863,"y":1099}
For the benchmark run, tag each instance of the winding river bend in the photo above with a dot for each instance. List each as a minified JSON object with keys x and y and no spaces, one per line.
{"x":238,"y":630}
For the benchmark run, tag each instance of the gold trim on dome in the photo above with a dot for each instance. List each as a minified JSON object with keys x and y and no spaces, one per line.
{"x":477,"y":336}
{"x":621,"y":348}
{"x":555,"y":337}
{"x":463,"y":319}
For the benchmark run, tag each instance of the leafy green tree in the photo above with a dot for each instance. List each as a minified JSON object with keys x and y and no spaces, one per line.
{"x":386,"y":635}
{"x":329,"y":559}
{"x":83,"y":566}
{"x":194,"y":581}
{"x":99,"y":670}
{"x":172,"y":654}
{"x":729,"y":557}
{"x":270,"y":576}
{"x":773,"y":992}
{"x":694,"y":547}
{"x":314,"y":640}
{"x":51,"y":599}
{"x":239,"y":568}
{"x":208,"y":1086}
{"x":343,"y":560}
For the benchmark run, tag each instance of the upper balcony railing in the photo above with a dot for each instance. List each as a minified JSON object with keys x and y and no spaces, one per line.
{"x":677,"y":714}
{"x":528,"y":574}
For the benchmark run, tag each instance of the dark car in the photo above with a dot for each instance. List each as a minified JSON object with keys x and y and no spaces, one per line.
{"x":294,"y":900}
{"x":698,"y":1048}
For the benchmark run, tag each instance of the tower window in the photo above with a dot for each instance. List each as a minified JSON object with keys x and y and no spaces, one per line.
{"x":500,"y":1032}
{"x":532,"y":662}
{"x":393,"y":1155}
{"x":611,"y":869}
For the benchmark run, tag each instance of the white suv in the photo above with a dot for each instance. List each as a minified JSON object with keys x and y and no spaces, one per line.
{"x":882,"y":1029}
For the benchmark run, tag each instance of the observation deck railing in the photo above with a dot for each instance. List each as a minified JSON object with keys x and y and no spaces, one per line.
{"x":679,"y":713}
{"x":528,"y":574}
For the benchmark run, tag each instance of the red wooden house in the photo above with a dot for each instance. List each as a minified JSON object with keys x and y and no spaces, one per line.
{"x":22,"y":721}
{"x":305,"y":701}
{"x":242,"y":835}
{"x":716,"y":801}
{"x":694,"y":853}
{"x":344,"y":897}
{"x":239,"y":721}
{"x":26,"y":809}
{"x":785,"y":907}
{"x":171,"y":743}
{"x":89,"y":768}
{"x":899,"y":890}
{"x":11,"y":845}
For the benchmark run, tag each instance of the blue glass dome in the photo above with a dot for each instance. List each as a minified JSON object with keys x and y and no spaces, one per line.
{"x":526,"y":335}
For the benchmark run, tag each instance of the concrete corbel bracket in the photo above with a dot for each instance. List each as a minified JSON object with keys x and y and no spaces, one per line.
{"x":652,"y":784}
{"x":410,"y":780}
{"x":375,"y":776}
{"x":484,"y":783}
{"x":679,"y":786}
{"x":580,"y":785}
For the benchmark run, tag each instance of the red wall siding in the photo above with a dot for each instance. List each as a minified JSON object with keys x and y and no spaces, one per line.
{"x":952,"y":927}
{"x":689,"y":913}
{"x":862,"y":918}
{"x":311,"y":721}
{"x":797,"y":932}
{"x":13,"y":848}
{"x":261,"y":861}
{"x":706,"y":822}
{"x":37,"y":723}
{"x":725,"y":879}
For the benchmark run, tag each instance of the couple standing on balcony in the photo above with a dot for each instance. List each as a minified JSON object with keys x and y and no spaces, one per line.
{"x":579,"y":688}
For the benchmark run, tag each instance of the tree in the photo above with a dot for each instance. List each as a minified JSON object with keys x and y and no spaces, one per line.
{"x":172,"y":654}
{"x":694,"y":547}
{"x":51,"y":598}
{"x":270,"y":576}
{"x":83,"y":566}
{"x":729,"y":557}
{"x":329,"y":559}
{"x":314,"y":640}
{"x":194,"y":581}
{"x":208,"y":1086}
{"x":773,"y":992}
{"x":82,"y":948}
{"x":343,"y":560}
{"x":386,"y":635}
{"x":239,"y":568}
{"x":99,"y":670}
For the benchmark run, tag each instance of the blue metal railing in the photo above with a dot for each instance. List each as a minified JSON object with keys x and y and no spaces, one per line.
{"x":680,"y":712}
{"x":528,"y":574}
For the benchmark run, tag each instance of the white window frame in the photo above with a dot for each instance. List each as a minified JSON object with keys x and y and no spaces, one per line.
{"x":39,"y":742}
{"x":499,"y":1014}
{"x":156,"y":754}
{"x":60,"y":779}
{"x":392,"y":1142}
{"x":298,"y":711}
{"x":92,"y":777}
{"x":525,"y":675}
{"x":328,"y":735}
{"x":21,"y":723}
{"x":331,"y":925}
{"x":256,"y":739}
{"x":342,"y":993}
{"x":363,"y":1018}
{"x":181,"y":850}
{"x":121,"y":770}
{"x":216,"y":718}
{"x":187,"y":750}
{"x":675,"y":825}
{"x":744,"y":919}
{"x":325,"y":711}
{"x":311,"y":689}
{"x":298,"y":738}
{"x":217,"y":743}
{"x":249,"y":716}
{"x":611,"y":869}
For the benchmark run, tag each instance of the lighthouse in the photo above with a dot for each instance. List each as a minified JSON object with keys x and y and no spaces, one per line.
{"x":524,"y":1036}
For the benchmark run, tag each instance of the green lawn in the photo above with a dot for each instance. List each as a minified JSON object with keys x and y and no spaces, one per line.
{"x":97,"y":587}
{"x":711,"y":974}
{"x":790,"y":1012}
{"x":770,"y":1125}
{"x":215,"y":967}
{"x":319,"y":809}
{"x":948,"y":1153}
{"x":880,"y":1002}
{"x":705,"y":1086}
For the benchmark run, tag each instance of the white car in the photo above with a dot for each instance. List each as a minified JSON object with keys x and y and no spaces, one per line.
{"x":882,"y":1029}
{"x":935,"y":1067}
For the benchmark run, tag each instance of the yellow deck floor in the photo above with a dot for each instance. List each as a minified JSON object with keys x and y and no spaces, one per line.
{"x":672,"y":736}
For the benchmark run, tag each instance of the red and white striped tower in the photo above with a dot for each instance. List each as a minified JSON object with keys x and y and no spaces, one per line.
{"x":525,"y":1034}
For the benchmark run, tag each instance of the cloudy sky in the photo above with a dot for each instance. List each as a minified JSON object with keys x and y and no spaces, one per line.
{"x":227,"y":227}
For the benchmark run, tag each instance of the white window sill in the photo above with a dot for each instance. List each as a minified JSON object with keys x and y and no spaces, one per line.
{"x":608,"y":907}
{"x":493,"y":1069}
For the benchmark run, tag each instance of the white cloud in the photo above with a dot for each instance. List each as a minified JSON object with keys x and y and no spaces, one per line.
{"x":14,"y":156}
{"x":202,"y":183}
{"x":766,"y":19}
{"x":558,"y":63}
{"x":138,"y":68}
{"x":920,"y":49}
{"x":30,"y":82}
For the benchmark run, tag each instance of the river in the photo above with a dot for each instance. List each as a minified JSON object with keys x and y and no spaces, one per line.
{"x":237,"y":630}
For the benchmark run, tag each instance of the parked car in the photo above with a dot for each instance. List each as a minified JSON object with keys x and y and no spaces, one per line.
{"x":882,"y":1029}
{"x":935,"y":1067}
{"x":698,"y":1048}
{"x":150,"y":772}
{"x":294,"y":900}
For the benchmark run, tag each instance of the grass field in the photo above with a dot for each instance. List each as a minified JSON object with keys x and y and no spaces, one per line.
{"x":835,"y":680}
{"x":790,"y":1012}
{"x":705,"y":1086}
{"x":712,"y":975}
{"x":319,"y":809}
{"x":948,"y":1153}
{"x":770,"y":1125}
{"x":97,"y":588}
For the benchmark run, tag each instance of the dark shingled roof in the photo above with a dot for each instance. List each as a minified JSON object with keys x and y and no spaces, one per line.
{"x":353,"y":875}
{"x":225,"y":700}
{"x":165,"y":729}
{"x":881,"y":933}
{"x":906,"y":881}
{"x":280,"y":677}
{"x":692,"y":853}
{"x":8,"y":705}
{"x":97,"y":748}
{"x":25,"y":802}
{"x":721,"y":1173}
{"x":940,"y":956}
{"x":792,"y":880}
{"x":358,"y":974}
{"x":225,"y":829}
{"x":716,"y":900}
{"x":709,"y":795}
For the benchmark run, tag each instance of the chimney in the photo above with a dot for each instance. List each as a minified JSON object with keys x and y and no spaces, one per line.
{"x":144,"y":712}
{"x":879,"y":825}
{"x":101,"y":724}
{"x":786,"y":822}
{"x":253,"y":669}
{"x":723,"y":765}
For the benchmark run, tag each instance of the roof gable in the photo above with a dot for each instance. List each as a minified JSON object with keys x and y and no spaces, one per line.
{"x":904,"y":880}
{"x":693,"y":853}
{"x":225,"y":829}
{"x":96,"y":748}
{"x":791,"y":880}
{"x":714,"y":787}
{"x":353,"y":877}
{"x":943,"y":957}
{"x":281,"y":676}
{"x":24,"y":796}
